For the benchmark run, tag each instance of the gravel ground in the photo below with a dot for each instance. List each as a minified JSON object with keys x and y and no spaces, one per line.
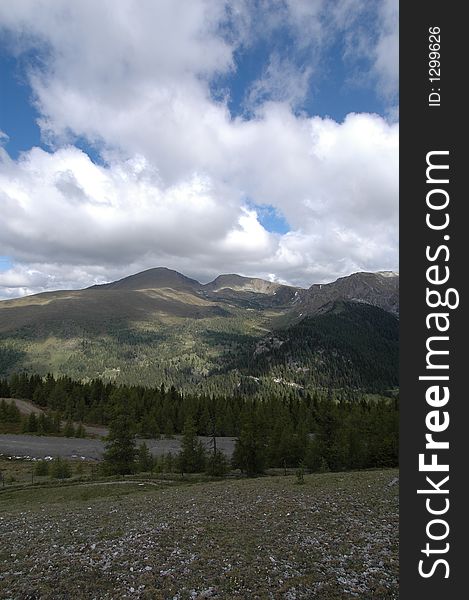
{"x":42,"y":446}
{"x":336,"y":537}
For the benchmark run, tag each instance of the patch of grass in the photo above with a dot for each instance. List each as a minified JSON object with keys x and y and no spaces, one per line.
{"x":66,"y":493}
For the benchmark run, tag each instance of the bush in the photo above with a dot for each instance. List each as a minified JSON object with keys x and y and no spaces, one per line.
{"x":60,"y":468}
{"x":300,"y":474}
{"x":41,"y":468}
{"x":217,"y":464}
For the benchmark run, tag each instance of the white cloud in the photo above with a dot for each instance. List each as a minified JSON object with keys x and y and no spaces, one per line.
{"x":335,"y":183}
{"x":179,"y":166}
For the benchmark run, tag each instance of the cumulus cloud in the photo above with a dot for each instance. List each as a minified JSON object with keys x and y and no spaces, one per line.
{"x":177,"y":166}
{"x":335,"y":183}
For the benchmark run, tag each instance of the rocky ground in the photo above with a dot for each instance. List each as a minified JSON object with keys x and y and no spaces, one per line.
{"x":335,"y":537}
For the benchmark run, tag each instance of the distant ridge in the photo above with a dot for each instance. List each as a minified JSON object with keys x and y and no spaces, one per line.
{"x":378,"y":289}
{"x":247,"y":284}
{"x":161,"y":326}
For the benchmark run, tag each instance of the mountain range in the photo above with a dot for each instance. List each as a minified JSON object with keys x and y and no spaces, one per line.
{"x":233,"y":333}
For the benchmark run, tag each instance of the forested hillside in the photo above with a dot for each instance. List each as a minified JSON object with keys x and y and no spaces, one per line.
{"x":327,"y":430}
{"x":235,"y":335}
{"x":350,"y":345}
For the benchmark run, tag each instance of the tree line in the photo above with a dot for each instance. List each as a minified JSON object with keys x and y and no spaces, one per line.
{"x":44,"y":423}
{"x":327,"y":430}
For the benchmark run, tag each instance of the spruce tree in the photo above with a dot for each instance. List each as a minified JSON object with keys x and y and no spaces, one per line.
{"x":80,"y":431}
{"x":32,"y":423}
{"x":144,"y":458}
{"x":250,"y":453}
{"x":192,"y":458}
{"x":119,"y":456}
{"x":69,"y":430}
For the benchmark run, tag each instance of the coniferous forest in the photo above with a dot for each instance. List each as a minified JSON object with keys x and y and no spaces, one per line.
{"x":327,"y":430}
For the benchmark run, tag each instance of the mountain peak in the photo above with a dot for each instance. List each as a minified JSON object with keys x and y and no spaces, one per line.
{"x":156,"y":278}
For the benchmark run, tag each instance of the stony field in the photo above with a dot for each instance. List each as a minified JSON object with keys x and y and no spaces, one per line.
{"x":335,"y":537}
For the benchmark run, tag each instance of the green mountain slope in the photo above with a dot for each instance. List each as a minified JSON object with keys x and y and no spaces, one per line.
{"x":349,"y":344}
{"x":160,"y":326}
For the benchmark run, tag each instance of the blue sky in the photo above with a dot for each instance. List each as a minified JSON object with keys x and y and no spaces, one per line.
{"x":331,"y":93}
{"x":250,"y":110}
{"x":17,"y":114}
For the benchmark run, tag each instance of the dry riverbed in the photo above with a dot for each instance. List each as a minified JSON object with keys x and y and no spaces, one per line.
{"x":35,"y":446}
{"x":336,"y":537}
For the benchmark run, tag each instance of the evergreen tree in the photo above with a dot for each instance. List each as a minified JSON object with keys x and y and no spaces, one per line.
{"x":80,"y":431}
{"x":250,"y":453}
{"x":119,"y":456}
{"x":168,"y":463}
{"x":192,"y":458}
{"x":9,"y":412}
{"x":69,"y":430}
{"x":32,"y":423}
{"x":144,"y":458}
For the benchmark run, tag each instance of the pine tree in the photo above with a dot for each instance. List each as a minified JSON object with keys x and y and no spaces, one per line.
{"x":32,"y":423}
{"x":144,"y":458}
{"x":192,"y":458}
{"x":80,"y":431}
{"x":119,"y":456}
{"x":168,"y":462}
{"x":69,"y":430}
{"x":250,"y":454}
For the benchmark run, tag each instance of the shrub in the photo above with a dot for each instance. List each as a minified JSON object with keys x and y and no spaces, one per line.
{"x":41,"y":468}
{"x":300,"y":474}
{"x":60,"y":468}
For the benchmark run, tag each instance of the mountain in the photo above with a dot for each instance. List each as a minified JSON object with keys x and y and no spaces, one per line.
{"x":238,"y":283}
{"x":347,"y":344}
{"x":155,"y":279}
{"x":161,"y":326}
{"x":378,"y":289}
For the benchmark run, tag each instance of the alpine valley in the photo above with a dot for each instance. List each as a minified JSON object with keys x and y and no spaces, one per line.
{"x":234,"y":335}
